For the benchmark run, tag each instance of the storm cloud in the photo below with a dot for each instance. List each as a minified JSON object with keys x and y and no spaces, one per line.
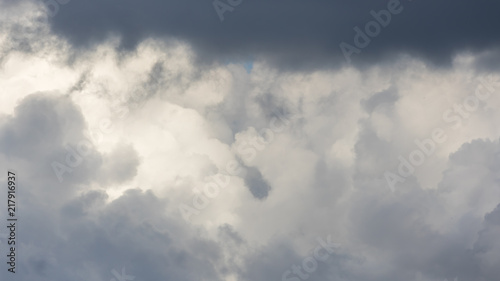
{"x":291,"y":34}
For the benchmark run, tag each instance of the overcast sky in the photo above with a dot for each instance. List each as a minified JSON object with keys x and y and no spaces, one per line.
{"x":251,"y":140}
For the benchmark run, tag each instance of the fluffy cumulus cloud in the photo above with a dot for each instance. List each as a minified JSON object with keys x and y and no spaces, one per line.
{"x":151,"y":141}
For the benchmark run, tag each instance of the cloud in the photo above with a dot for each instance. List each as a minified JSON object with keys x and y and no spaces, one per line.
{"x":486,"y":249}
{"x":292,"y":35}
{"x":256,"y":184}
{"x":173,"y":126}
{"x":74,"y":219}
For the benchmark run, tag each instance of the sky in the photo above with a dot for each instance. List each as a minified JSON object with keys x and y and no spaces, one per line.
{"x":238,"y":140}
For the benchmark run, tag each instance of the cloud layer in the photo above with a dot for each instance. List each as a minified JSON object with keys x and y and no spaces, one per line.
{"x":292,"y":34}
{"x":109,"y":145}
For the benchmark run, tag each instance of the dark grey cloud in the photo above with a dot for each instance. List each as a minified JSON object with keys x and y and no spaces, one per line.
{"x":291,"y":33}
{"x":487,"y":247}
{"x":256,"y":183}
{"x":87,"y":240}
